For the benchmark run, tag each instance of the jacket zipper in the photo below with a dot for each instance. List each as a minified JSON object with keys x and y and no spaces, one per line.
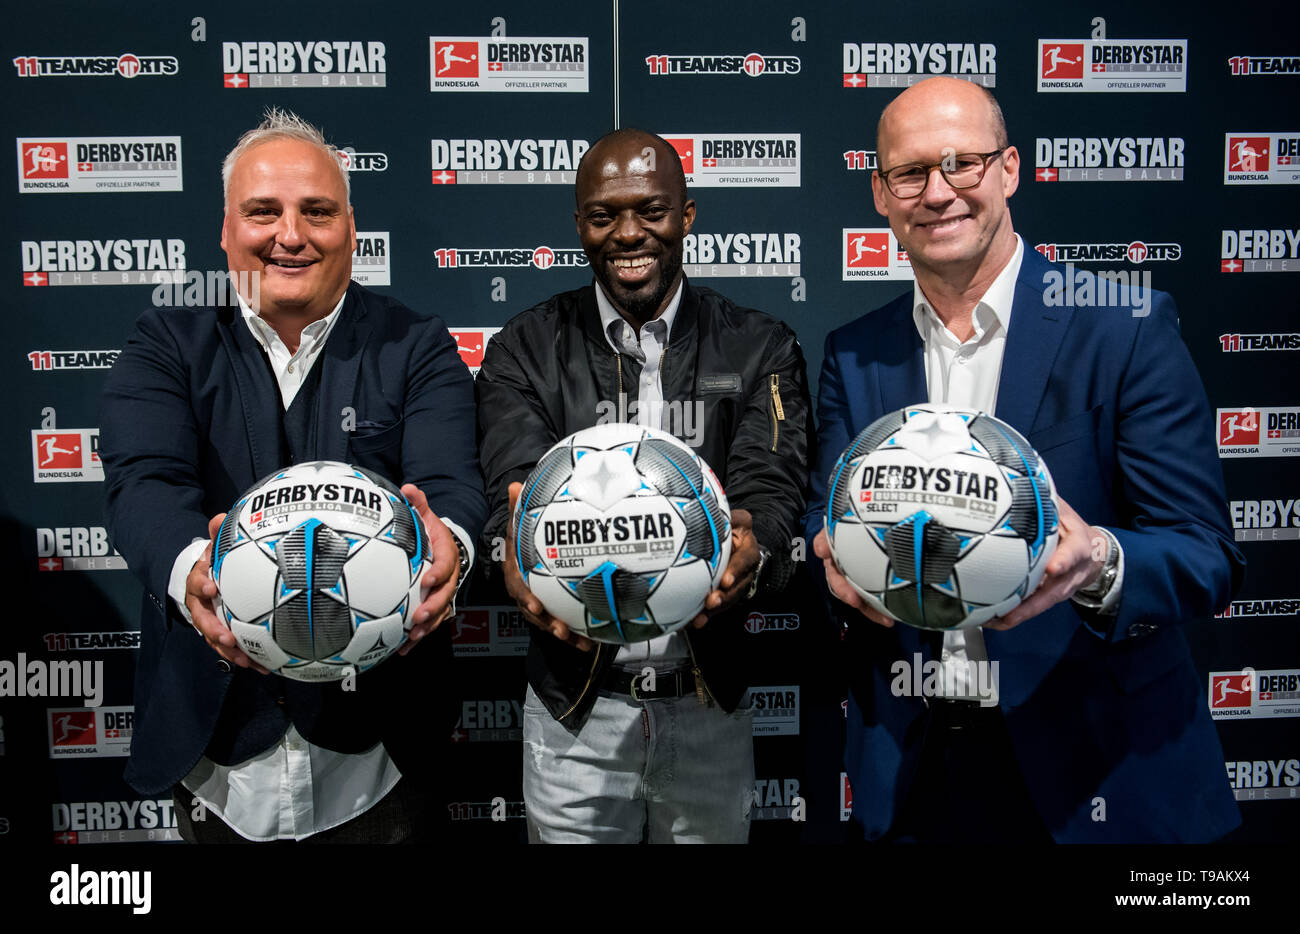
{"x":778,"y":410}
{"x":590,"y":675}
{"x":622,"y":406}
{"x":701,"y":688}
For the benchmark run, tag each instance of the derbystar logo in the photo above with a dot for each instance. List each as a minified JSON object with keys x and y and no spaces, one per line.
{"x":470,"y":63}
{"x":76,"y":548}
{"x":370,"y":264}
{"x":90,"y":641}
{"x":771,"y":622}
{"x":1268,"y":250}
{"x":738,"y":160}
{"x":489,"y":721}
{"x":45,"y":360}
{"x":82,"y":733}
{"x":495,"y":630}
{"x":1261,"y":158}
{"x":101,"y":262}
{"x":1237,"y":343}
{"x":1135,"y":251}
{"x":471,"y":343}
{"x":752,"y":64}
{"x":67,"y":455}
{"x":873,"y":253}
{"x":741,"y":254}
{"x":1240,"y":65}
{"x":355,"y":161}
{"x":126,"y":65}
{"x":776,"y":709}
{"x":774,"y":798}
{"x":79,"y":164}
{"x":293,"y":64}
{"x":1108,"y":159}
{"x":1257,"y":694}
{"x":542,"y":257}
{"x":115,"y":821}
{"x":1238,"y":608}
{"x":506,"y":161}
{"x":882,"y":64}
{"x":1270,"y":431}
{"x":861,"y":160}
{"x":1260,"y":520}
{"x":1112,"y":65}
{"x":1264,"y":779}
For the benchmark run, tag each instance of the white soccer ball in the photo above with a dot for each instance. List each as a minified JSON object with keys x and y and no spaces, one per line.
{"x":622,"y":531}
{"x":941,"y":518}
{"x":318,"y":568}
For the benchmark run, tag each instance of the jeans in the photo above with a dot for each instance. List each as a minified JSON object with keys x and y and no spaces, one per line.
{"x":659,"y":771}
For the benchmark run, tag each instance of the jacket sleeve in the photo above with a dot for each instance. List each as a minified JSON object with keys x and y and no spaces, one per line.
{"x":1180,"y":558}
{"x":149,"y":445}
{"x":767,"y":468}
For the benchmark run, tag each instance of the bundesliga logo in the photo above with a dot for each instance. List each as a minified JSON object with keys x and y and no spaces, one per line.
{"x":79,"y":164}
{"x":69,"y":454}
{"x":738,"y":160}
{"x":873,"y":253}
{"x":542,"y":257}
{"x":506,"y":161}
{"x":344,"y":64}
{"x":741,"y":254}
{"x":101,"y":262}
{"x":900,"y":64}
{"x":468,"y":63}
{"x":1135,"y":251}
{"x":1261,"y":159}
{"x":1112,"y":65}
{"x":1239,"y":65}
{"x":79,"y":732}
{"x":127,"y":65}
{"x":1270,"y":431}
{"x":471,"y":344}
{"x":1108,"y":159}
{"x":752,"y":64}
{"x":1270,"y":250}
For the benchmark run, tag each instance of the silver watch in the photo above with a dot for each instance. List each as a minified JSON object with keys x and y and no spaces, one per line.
{"x":763,"y":555}
{"x":1094,"y":594}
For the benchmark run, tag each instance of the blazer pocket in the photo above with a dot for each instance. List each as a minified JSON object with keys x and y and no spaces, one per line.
{"x":1073,"y":428}
{"x":381,"y":439}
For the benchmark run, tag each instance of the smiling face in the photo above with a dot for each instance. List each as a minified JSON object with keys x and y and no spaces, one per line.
{"x":288,"y":221}
{"x":632,"y":216}
{"x":947,"y":231}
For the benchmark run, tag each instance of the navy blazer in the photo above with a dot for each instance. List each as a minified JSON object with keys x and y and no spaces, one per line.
{"x":1097,"y":707}
{"x":191,"y":417}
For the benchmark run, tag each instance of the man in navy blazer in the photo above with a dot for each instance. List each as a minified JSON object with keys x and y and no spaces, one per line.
{"x":300,"y":364}
{"x":1096,"y":728}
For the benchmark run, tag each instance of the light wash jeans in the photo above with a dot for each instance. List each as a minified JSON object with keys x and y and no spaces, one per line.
{"x":663,"y":771}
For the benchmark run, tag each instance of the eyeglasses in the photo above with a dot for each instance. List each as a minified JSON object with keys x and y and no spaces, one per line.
{"x":964,"y":170}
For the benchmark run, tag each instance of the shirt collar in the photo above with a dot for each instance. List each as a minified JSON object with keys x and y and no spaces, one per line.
{"x":609,"y":316}
{"x":316,"y":332}
{"x":993,"y":308}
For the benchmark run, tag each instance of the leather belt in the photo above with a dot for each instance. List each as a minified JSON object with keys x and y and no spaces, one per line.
{"x":962,"y":714}
{"x":673,"y":683}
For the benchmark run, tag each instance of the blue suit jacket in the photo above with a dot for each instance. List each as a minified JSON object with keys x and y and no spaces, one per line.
{"x":190,"y":418}
{"x":1097,"y":707}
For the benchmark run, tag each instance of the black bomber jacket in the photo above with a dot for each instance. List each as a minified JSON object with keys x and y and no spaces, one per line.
{"x":550,"y":372}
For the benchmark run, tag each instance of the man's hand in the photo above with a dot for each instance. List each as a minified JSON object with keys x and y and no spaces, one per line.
{"x":441,"y":579}
{"x":839,"y":586}
{"x":739,"y":575}
{"x":1079,"y":557}
{"x":529,"y":605}
{"x":200,"y":589}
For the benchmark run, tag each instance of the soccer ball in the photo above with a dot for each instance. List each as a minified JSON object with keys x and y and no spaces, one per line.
{"x":941,"y":518}
{"x":622,"y":531}
{"x":318,"y":568}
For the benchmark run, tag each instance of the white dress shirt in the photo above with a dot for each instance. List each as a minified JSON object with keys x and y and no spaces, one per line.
{"x":647,"y":346}
{"x":965,"y":374}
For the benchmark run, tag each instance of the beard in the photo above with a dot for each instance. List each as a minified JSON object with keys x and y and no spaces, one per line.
{"x":643,"y":303}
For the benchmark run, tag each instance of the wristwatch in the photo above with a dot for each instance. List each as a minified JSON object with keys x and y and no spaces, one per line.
{"x":1094,"y":595}
{"x":763,"y":555}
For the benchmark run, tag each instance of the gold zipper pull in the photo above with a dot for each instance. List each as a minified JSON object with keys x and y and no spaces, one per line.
{"x":776,"y":397}
{"x":699,"y":688}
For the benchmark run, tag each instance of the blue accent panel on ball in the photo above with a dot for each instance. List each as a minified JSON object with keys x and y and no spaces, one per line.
{"x":309,"y":544}
{"x":606,"y":574}
{"x":713,"y":529}
{"x":1034,"y":480}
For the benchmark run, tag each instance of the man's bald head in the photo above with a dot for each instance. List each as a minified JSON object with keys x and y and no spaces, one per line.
{"x":943,"y":91}
{"x":623,"y":152}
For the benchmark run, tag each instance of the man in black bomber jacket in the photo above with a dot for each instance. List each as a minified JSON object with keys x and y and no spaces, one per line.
{"x":605,"y":760}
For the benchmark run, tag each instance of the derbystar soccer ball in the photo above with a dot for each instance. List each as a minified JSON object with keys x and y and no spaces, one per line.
{"x":318,"y":568}
{"x":622,"y":531}
{"x":941,"y":518}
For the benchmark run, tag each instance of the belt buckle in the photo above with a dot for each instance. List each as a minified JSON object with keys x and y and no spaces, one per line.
{"x":656,"y":694}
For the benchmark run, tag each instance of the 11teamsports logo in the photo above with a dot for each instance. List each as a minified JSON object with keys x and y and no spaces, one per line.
{"x":1112,"y":65}
{"x":738,"y":160}
{"x":1242,"y":65}
{"x":873,"y":254}
{"x":751,"y":64}
{"x":126,"y":65}
{"x":514,"y":63}
{"x":1135,"y":251}
{"x":79,"y":164}
{"x":1261,"y":158}
{"x":542,"y":257}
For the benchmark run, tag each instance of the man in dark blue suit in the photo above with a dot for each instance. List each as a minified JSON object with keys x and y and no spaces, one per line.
{"x":300,"y":365}
{"x":1096,"y":727}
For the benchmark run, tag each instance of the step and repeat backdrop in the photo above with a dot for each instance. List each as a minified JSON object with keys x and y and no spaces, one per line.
{"x":1161,"y":150}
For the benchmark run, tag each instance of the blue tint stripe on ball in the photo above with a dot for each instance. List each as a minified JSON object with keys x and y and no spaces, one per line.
{"x":713,"y":529}
{"x":1033,"y":480}
{"x":308,"y":543}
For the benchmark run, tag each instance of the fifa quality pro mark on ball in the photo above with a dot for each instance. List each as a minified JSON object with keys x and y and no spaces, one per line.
{"x":941,"y":518}
{"x":318,"y":568}
{"x":622,"y":531}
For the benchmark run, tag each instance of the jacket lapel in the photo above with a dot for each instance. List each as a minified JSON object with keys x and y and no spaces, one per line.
{"x":902,"y":366}
{"x":1033,"y":341}
{"x":259,"y":397}
{"x":340,"y":360}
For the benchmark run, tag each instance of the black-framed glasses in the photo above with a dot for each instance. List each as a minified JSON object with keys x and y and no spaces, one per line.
{"x":963,"y":170}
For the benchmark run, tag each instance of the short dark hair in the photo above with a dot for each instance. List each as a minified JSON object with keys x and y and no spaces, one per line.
{"x":627,"y":133}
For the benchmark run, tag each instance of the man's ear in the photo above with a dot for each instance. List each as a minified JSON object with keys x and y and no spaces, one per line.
{"x":688,"y":217}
